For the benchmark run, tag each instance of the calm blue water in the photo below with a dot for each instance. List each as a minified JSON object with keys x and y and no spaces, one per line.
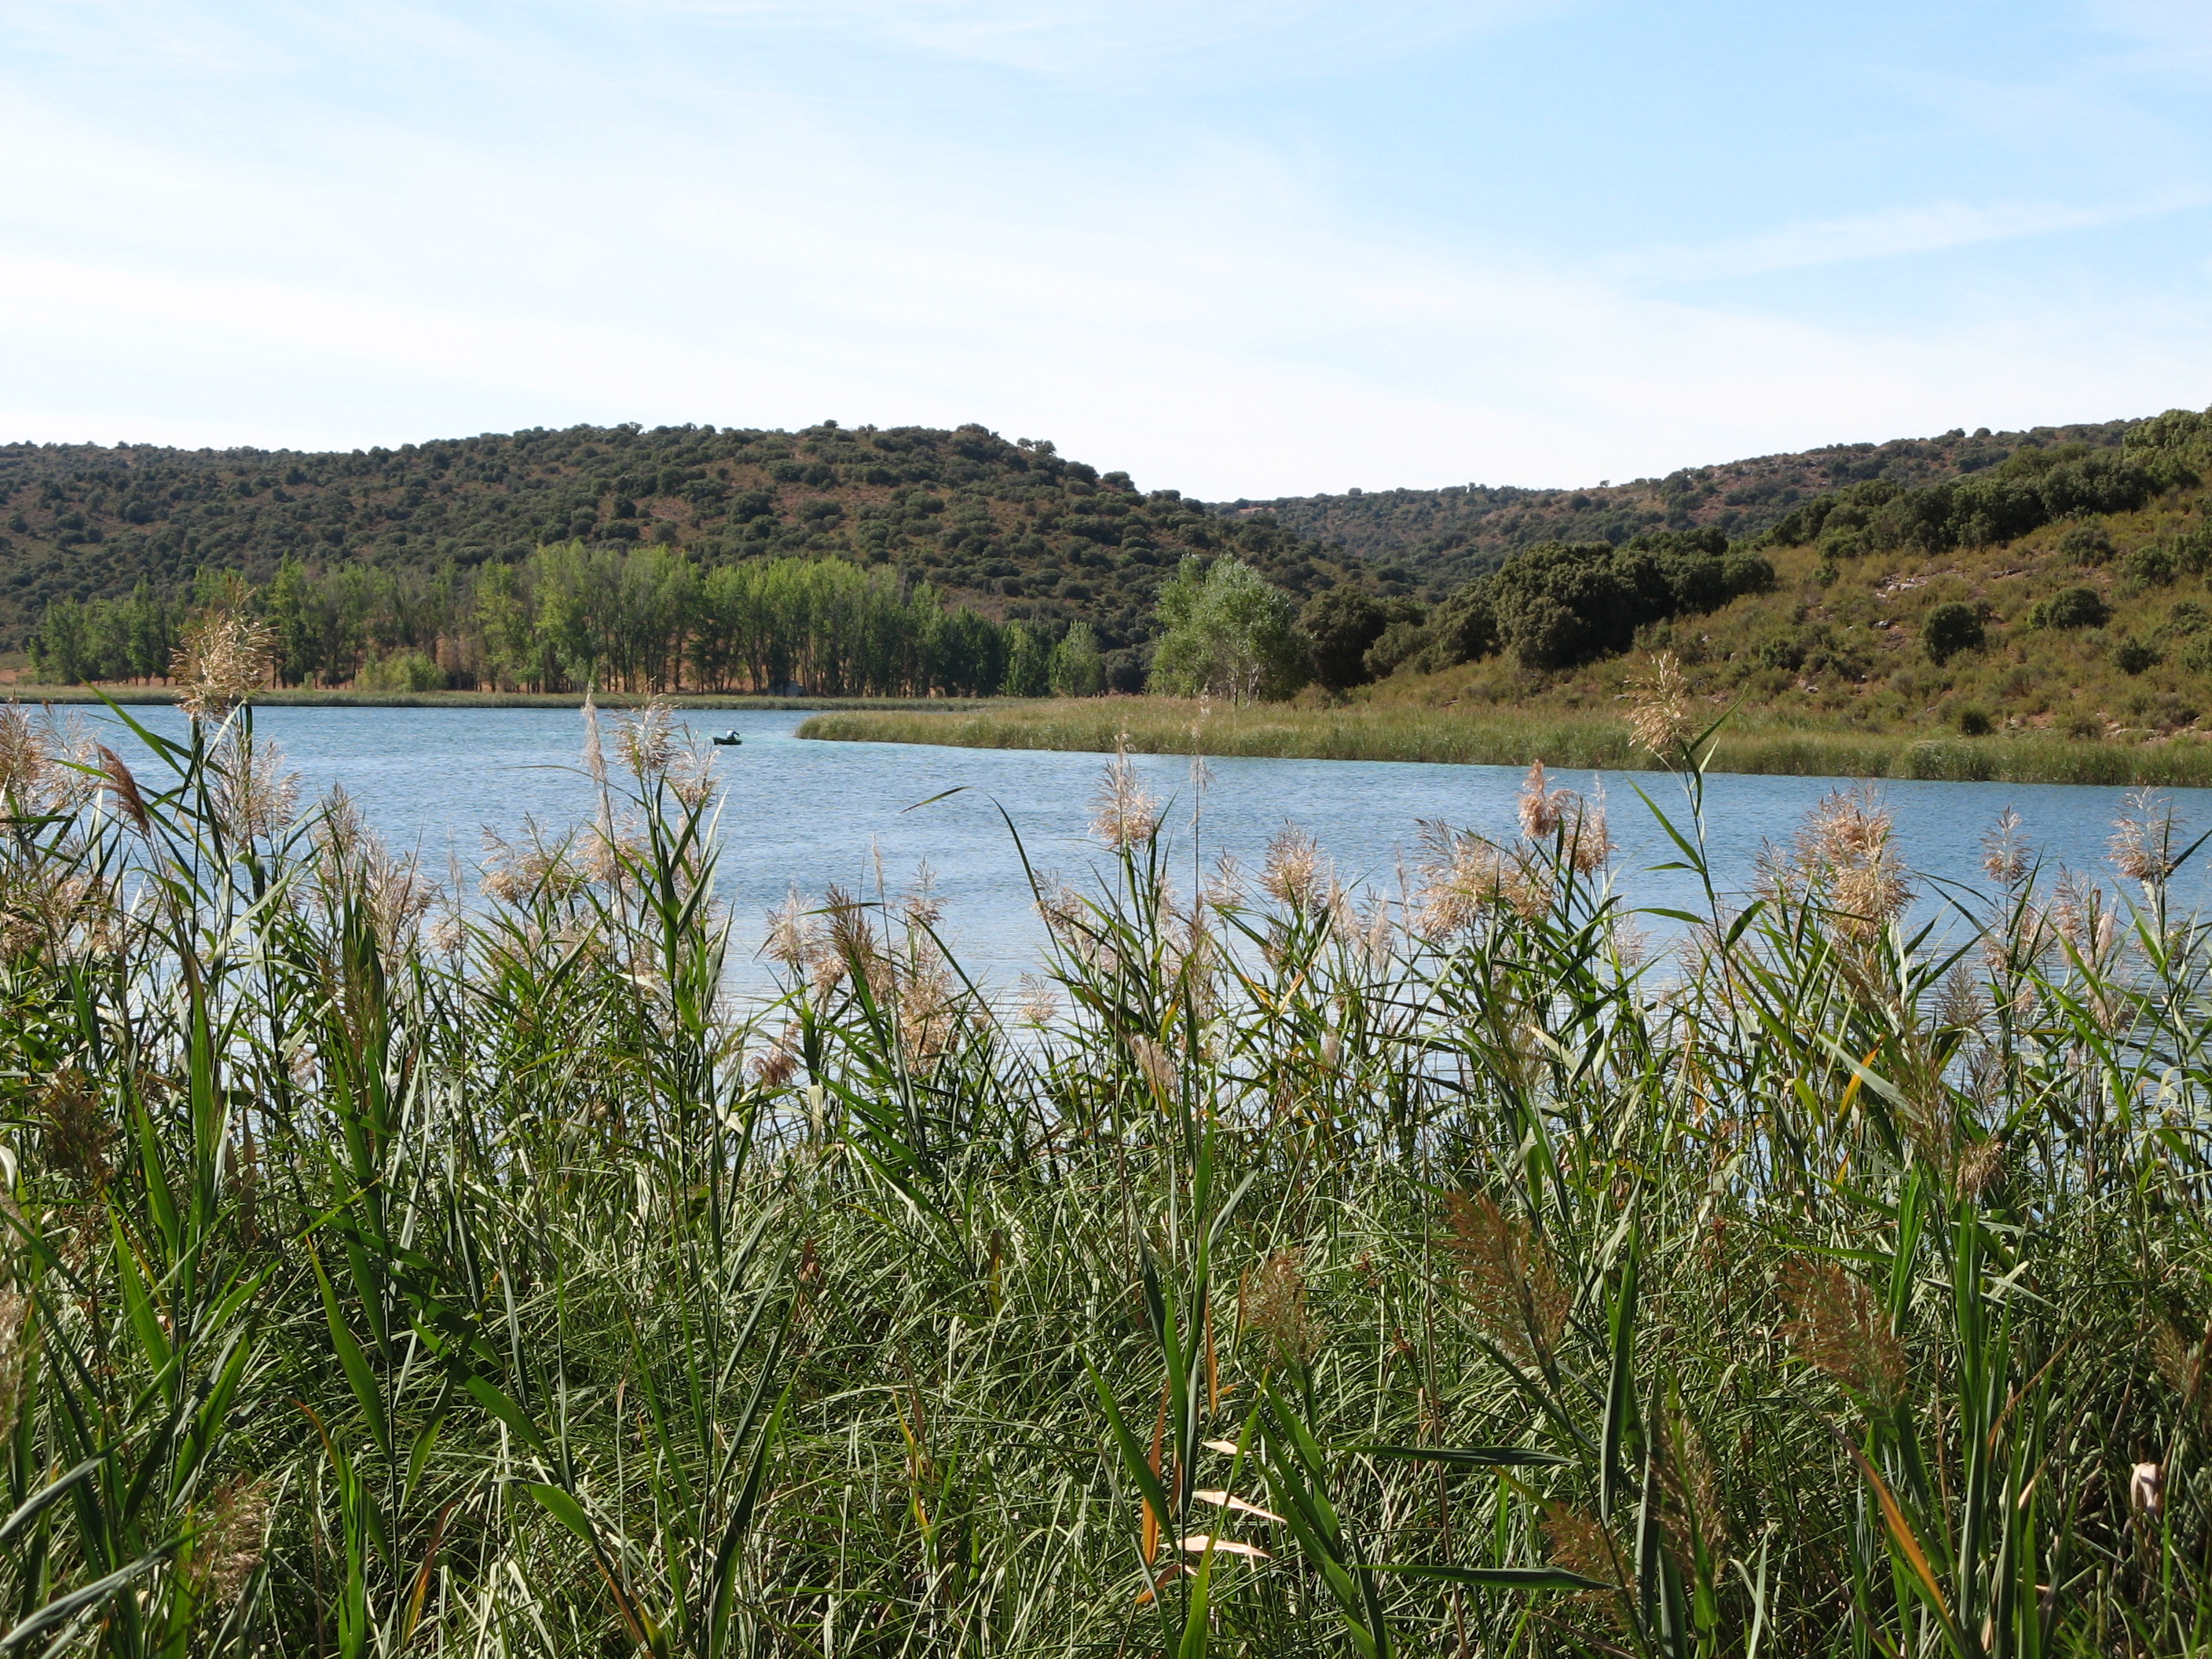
{"x":813,"y":813}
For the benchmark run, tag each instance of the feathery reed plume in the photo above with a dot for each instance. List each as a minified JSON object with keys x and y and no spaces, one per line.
{"x":2145,"y":836}
{"x":1580,"y":823}
{"x":228,"y":1547}
{"x":1692,"y":1514}
{"x":647,"y":740}
{"x":1589,"y":838}
{"x":1464,"y":877}
{"x":15,"y":1316}
{"x":1507,"y":1273}
{"x":25,"y":758}
{"x":1271,"y":1300}
{"x":1840,"y":1329}
{"x":1122,"y":812}
{"x":1156,"y":1066}
{"x":2005,"y":850}
{"x":690,"y":775}
{"x":1225,"y":883}
{"x":1040,"y":1008}
{"x":2080,"y":916}
{"x":1659,"y":706}
{"x":1980,"y":1166}
{"x":1843,"y":850}
{"x":849,"y":940}
{"x":516,"y":874}
{"x":351,"y":862}
{"x":919,"y":906}
{"x":224,"y":659}
{"x":1294,"y":869}
{"x":794,"y":936}
{"x":1581,"y":1544}
{"x":76,"y":1128}
{"x":124,"y":788}
{"x":2182,"y":1361}
{"x":1542,"y":808}
{"x":253,"y":796}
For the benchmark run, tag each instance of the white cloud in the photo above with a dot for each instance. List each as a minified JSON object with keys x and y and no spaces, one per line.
{"x":1926,"y":228}
{"x":1115,"y":41}
{"x":532,"y":226}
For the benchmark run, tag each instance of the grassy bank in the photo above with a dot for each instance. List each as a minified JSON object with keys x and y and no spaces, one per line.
{"x":1406,"y":732}
{"x":157,"y":695}
{"x":1428,"y":1275}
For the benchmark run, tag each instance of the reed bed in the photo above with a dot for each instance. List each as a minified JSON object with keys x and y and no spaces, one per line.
{"x":1491,"y":736}
{"x":1280,"y":1271}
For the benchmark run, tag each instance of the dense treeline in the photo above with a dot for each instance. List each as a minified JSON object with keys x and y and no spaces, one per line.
{"x":644,"y":619}
{"x":2029,"y":489}
{"x":1561,"y":603}
{"x":1014,"y":529}
{"x":1464,"y":530}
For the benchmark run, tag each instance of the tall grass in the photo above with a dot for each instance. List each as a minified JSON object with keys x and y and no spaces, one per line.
{"x":1282,"y":1270}
{"x":1494,"y":736}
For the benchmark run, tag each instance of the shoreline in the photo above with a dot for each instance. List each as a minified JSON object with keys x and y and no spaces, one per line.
{"x":157,"y":696}
{"x":1513,"y":738}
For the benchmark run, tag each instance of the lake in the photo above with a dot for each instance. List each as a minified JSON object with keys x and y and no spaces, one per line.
{"x":809,"y":814}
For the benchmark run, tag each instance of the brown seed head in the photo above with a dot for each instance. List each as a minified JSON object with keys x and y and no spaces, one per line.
{"x":1271,"y":1299}
{"x":1122,"y":812}
{"x":2145,"y":838}
{"x":1294,"y":871}
{"x":1659,"y":707}
{"x":1511,"y":1283}
{"x":124,"y":787}
{"x":229,"y":1545}
{"x":225,"y":659}
{"x":1839,"y":1329}
{"x":2005,"y":850}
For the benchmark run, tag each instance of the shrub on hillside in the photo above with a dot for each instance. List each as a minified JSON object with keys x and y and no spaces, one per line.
{"x":2187,"y":617}
{"x":2151,"y":564}
{"x":2070,"y":607}
{"x":2132,"y":655}
{"x":2087,"y":543}
{"x":1949,"y":628}
{"x":2030,"y":488}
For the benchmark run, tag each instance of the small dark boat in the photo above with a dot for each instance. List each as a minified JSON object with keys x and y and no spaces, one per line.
{"x":728,"y":739}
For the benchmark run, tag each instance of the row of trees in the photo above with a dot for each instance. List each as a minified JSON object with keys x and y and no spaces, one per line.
{"x":644,"y":619}
{"x":1560,"y":602}
{"x":2023,"y":493}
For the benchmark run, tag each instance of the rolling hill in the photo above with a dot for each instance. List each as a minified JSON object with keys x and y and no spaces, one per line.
{"x":1013,"y":529}
{"x":1461,"y":531}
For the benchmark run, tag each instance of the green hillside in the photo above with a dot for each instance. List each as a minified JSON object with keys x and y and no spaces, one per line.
{"x":1011,"y":529}
{"x":2061,"y":592}
{"x":1463,"y":530}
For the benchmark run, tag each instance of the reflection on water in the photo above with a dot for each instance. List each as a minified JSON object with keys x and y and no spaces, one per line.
{"x":808,"y":814}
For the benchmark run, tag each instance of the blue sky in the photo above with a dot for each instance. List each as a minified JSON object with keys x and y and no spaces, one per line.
{"x":1237,"y":248}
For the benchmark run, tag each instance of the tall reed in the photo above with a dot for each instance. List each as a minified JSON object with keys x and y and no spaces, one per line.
{"x":1284,"y":1270}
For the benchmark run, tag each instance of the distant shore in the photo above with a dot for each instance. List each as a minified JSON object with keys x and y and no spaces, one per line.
{"x":1504,"y":737}
{"x":157,"y":695}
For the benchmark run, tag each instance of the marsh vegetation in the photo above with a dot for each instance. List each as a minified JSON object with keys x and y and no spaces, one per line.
{"x":1280,"y":1270}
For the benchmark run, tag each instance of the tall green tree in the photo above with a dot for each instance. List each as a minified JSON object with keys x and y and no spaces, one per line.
{"x":1227,"y":632}
{"x":1029,"y":663}
{"x":1079,"y":668}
